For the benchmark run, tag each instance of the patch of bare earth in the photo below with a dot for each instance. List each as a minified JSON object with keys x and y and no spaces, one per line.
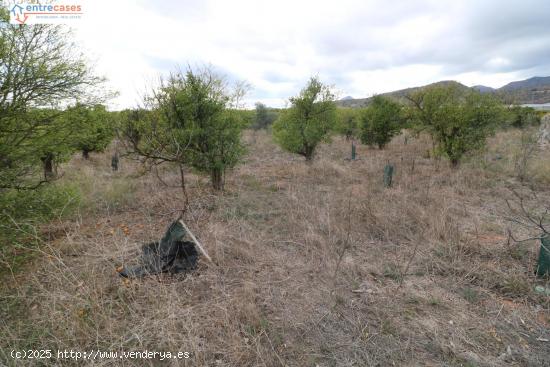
{"x":318,"y":265}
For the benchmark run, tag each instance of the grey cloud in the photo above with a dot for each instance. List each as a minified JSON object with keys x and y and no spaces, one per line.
{"x":516,"y":32}
{"x":487,"y":37}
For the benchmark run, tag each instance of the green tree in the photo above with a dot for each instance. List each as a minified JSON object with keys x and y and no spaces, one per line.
{"x":40,"y":71}
{"x":380,"y":122}
{"x":347,"y":122}
{"x":263,"y":117}
{"x":521,"y":117}
{"x":308,"y":121}
{"x":128,"y":124}
{"x":218,"y":146}
{"x":458,"y":120}
{"x":96,"y":128}
{"x":193,"y":122}
{"x":55,"y":140}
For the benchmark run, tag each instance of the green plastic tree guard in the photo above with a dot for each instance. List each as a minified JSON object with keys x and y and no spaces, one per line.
{"x":353,"y":153}
{"x":543,"y":265}
{"x":114,"y":162}
{"x":388,"y":175}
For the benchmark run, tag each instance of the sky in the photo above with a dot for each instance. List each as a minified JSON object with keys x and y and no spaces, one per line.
{"x":360,"y":47}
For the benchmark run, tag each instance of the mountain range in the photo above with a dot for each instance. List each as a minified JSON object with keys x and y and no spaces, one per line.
{"x":534,"y":90}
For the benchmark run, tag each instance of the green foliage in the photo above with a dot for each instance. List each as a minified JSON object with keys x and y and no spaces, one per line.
{"x":39,"y":72}
{"x":4,"y":15}
{"x":129,"y":124}
{"x":21,"y":211}
{"x":247,"y":117}
{"x":263,"y":117}
{"x":218,"y":146}
{"x":347,"y":122}
{"x":37,"y":206}
{"x":22,"y":155}
{"x":308,"y":121}
{"x":521,"y":117}
{"x":459,"y":120}
{"x":192,"y":121}
{"x":95,"y":127}
{"x":380,"y":121}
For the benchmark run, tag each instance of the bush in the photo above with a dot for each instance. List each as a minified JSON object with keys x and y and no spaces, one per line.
{"x":263,"y":117}
{"x":96,"y":128}
{"x":40,"y":69}
{"x":192,"y":121}
{"x":521,"y":117}
{"x":459,"y":120}
{"x":21,"y":211}
{"x":308,"y":121}
{"x":347,"y":122}
{"x":380,"y":121}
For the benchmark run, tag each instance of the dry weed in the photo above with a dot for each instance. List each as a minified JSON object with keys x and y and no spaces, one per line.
{"x":422,"y":276}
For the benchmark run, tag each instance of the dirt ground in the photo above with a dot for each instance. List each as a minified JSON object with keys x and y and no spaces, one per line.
{"x":317,"y":265}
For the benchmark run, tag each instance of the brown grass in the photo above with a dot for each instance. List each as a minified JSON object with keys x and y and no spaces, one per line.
{"x":424,"y":273}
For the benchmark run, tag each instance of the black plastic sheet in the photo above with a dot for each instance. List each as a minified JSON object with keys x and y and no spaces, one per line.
{"x":171,"y":255}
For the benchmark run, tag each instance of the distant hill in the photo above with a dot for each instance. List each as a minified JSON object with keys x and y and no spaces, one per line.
{"x":534,"y":90}
{"x":483,"y":89}
{"x":531,"y":83}
{"x":398,"y":94}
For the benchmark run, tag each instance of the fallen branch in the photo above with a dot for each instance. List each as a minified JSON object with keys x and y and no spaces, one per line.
{"x":203,"y":251}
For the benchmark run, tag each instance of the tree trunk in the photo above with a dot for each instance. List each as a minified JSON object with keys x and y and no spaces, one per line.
{"x":85,"y":154}
{"x":308,"y":154}
{"x":217,"y":179}
{"x":47,"y":161}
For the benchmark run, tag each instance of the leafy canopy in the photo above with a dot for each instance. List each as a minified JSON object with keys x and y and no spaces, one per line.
{"x":381,"y":121}
{"x":191,"y":121}
{"x":40,"y":73}
{"x":459,"y":120}
{"x":308,"y":121}
{"x":95,"y":127}
{"x":263,"y":117}
{"x":347,"y":122}
{"x":521,"y":117}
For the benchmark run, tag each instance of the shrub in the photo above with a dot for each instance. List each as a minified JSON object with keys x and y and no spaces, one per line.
{"x":459,"y":120}
{"x":380,"y":121}
{"x":96,"y":130}
{"x":308,"y":121}
{"x":192,"y":121}
{"x":39,"y":69}
{"x":263,"y":117}
{"x":21,"y":211}
{"x":347,"y":122}
{"x":521,"y":117}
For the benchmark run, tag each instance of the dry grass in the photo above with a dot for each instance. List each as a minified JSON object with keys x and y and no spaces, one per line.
{"x":318,"y":265}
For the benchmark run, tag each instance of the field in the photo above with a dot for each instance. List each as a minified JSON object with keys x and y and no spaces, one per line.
{"x":316,"y":264}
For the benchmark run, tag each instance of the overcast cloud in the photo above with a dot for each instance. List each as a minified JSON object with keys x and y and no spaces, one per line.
{"x":361,"y":47}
